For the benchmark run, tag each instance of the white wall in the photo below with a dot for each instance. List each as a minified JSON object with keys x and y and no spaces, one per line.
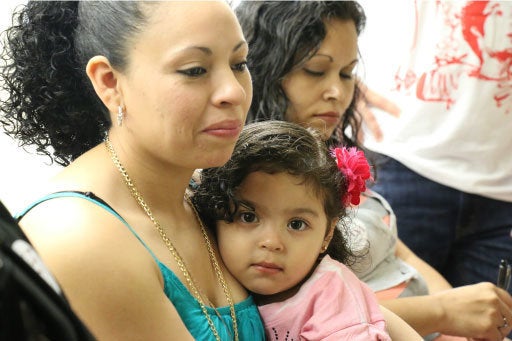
{"x":20,"y":171}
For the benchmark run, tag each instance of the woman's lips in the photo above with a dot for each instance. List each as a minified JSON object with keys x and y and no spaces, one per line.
{"x":227,"y":129}
{"x":329,"y":117}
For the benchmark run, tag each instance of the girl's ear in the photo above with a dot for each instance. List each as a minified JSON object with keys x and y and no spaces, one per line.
{"x":104,"y":79}
{"x":329,"y":234}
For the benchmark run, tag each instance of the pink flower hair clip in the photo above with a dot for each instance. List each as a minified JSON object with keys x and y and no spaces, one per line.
{"x":353,"y":164}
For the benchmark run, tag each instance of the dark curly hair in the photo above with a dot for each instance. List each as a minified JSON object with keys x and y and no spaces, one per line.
{"x":50,"y":102}
{"x":276,"y":147}
{"x":282,"y":35}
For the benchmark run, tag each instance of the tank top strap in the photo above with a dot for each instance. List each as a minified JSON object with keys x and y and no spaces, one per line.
{"x":91,"y":197}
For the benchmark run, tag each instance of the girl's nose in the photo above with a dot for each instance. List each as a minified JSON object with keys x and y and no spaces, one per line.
{"x":271,"y":240}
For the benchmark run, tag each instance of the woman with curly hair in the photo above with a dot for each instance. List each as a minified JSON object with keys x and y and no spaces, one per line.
{"x":287,"y":56}
{"x":131,"y":97}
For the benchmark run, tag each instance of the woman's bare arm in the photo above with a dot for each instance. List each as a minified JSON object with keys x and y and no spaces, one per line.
{"x":397,"y":328}
{"x":111,"y":281}
{"x":470,"y":311}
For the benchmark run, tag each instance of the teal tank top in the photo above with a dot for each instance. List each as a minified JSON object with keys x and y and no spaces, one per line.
{"x":250,"y":326}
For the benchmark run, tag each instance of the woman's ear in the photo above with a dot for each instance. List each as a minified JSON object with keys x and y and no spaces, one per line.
{"x":105,"y":82}
{"x":329,"y":234}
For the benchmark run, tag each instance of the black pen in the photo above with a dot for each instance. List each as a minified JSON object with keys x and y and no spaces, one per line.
{"x":507,"y":277}
{"x":504,"y":274}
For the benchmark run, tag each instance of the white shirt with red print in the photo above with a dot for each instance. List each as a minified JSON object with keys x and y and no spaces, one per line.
{"x":448,"y":66}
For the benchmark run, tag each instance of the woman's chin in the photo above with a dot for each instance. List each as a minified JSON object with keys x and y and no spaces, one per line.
{"x":217,"y":159}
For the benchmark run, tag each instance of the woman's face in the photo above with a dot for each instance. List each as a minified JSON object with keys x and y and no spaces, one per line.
{"x":320,"y":90}
{"x":186,"y":90}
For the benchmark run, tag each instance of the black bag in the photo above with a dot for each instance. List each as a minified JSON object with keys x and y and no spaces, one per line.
{"x":32,"y":305}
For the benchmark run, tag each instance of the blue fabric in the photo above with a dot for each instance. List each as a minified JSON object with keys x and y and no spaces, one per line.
{"x":249,"y":322}
{"x":462,"y":235}
{"x":250,"y":326}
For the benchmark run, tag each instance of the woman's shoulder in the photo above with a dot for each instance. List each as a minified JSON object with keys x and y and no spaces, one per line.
{"x":75,"y":234}
{"x":91,"y":253}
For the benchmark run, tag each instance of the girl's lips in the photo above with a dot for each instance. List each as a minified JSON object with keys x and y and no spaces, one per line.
{"x":267,"y":268}
{"x":228,"y":129}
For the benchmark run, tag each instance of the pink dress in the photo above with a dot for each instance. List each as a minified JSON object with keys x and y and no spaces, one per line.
{"x":333,"y":304}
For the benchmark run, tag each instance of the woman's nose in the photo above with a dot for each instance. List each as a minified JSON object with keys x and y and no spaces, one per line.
{"x":335,"y":91}
{"x":231,"y":90}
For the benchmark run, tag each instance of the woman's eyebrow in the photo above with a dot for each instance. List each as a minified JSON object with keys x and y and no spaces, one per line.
{"x":208,"y":51}
{"x":331,"y":59}
{"x":323,"y":55}
{"x":239,"y":45}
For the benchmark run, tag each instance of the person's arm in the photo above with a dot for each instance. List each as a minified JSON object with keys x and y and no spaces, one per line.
{"x":435,"y":281}
{"x":110,"y":279}
{"x":370,"y":99}
{"x":397,"y":328}
{"x":469,"y":311}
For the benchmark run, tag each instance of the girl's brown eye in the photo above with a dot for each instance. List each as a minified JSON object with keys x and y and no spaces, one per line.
{"x":297,"y":225}
{"x":248,"y":217}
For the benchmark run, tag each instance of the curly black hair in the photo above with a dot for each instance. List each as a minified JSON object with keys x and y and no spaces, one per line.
{"x":276,"y":147}
{"x":50,"y":103}
{"x":282,"y":35}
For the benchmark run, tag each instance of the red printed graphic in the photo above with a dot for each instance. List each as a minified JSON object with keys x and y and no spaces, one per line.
{"x":476,"y":43}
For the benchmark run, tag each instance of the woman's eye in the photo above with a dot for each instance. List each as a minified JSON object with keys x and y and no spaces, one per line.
{"x":314,"y":73}
{"x":248,"y":217}
{"x":193,"y":71}
{"x":240,"y":67}
{"x":297,"y":225}
{"x":346,"y":75}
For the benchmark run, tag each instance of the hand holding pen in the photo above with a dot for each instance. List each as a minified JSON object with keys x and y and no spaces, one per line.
{"x":503,"y":282}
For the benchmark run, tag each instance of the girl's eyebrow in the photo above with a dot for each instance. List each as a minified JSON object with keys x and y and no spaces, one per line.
{"x":304,"y":210}
{"x":246,"y":204}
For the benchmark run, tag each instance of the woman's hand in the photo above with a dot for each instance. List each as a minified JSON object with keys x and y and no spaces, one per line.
{"x":476,"y":311}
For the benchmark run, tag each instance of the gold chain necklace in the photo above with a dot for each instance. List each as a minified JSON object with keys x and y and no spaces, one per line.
{"x":180,"y":262}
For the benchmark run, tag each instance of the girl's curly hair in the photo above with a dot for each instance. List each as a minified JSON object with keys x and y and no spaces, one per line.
{"x":276,"y":147}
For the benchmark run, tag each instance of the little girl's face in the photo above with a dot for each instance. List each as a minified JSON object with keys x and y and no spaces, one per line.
{"x":272,"y":247}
